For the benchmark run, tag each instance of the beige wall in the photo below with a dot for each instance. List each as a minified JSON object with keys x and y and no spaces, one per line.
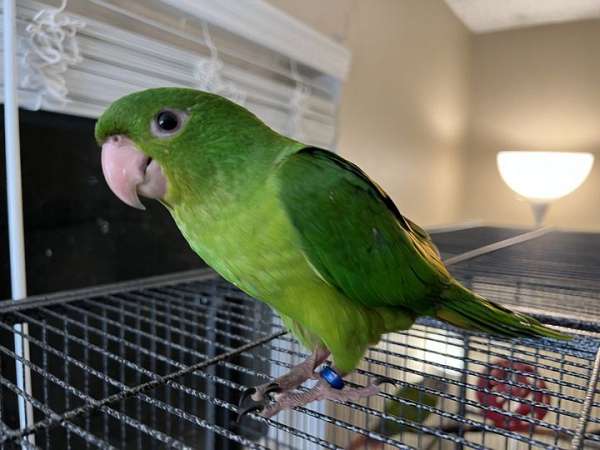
{"x":536,"y":89}
{"x":330,"y":17}
{"x":403,"y":111}
{"x":404,"y":106}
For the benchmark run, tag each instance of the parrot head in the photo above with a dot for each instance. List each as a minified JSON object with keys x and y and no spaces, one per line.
{"x":159,"y":142}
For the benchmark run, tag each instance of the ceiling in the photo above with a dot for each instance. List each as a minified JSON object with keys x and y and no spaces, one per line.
{"x":482,"y":16}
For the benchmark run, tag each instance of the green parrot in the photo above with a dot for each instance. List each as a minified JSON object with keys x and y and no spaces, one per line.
{"x":297,"y":227}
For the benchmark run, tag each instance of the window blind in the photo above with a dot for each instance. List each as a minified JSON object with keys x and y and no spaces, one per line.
{"x":78,"y":57}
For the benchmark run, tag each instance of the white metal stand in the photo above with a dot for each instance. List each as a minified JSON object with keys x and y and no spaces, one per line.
{"x":15,"y":207}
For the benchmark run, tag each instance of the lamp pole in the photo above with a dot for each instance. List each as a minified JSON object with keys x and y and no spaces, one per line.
{"x":539,"y":212}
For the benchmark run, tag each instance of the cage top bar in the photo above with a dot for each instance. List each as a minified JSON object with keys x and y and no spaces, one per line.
{"x":498,"y":246}
{"x":37,"y":301}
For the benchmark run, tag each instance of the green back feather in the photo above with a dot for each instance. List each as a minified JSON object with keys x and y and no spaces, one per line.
{"x":354,"y":235}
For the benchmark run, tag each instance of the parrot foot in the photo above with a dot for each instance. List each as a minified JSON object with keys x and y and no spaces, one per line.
{"x":256,"y":399}
{"x":323,"y":391}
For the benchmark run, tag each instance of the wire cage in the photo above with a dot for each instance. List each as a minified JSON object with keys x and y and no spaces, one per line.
{"x":161,"y":363}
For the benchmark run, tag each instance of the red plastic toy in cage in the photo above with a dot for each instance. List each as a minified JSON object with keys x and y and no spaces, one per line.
{"x":502,"y":379}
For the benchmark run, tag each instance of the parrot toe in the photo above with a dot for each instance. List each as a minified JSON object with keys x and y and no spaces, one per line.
{"x":258,"y":393}
{"x":256,"y":399}
{"x":323,"y":391}
{"x":282,"y":389}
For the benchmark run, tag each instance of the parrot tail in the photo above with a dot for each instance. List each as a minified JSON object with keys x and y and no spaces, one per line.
{"x":465,"y":309}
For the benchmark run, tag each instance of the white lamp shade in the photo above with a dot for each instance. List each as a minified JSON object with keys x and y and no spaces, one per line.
{"x":544,"y":176}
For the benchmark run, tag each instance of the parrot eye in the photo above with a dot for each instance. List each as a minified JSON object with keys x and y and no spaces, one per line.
{"x":167,"y":122}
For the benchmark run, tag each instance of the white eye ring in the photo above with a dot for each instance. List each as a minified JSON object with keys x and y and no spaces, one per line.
{"x":167,"y":122}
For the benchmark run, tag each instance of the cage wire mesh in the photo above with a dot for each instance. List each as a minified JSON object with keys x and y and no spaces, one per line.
{"x":162,"y":363}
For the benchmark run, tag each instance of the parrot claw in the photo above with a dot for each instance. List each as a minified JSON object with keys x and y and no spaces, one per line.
{"x":259,"y":393}
{"x":383,"y":380}
{"x":257,"y":399}
{"x":255,"y":406}
{"x":248,"y":392}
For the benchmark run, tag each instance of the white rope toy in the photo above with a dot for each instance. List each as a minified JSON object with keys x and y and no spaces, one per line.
{"x":52,"y":49}
{"x":208,"y":73}
{"x":297,"y":104}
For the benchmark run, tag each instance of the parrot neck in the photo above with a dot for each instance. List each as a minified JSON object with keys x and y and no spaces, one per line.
{"x":225,"y":180}
{"x":234,"y":215}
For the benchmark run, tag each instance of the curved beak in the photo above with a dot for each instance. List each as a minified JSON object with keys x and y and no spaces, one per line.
{"x":129,"y":172}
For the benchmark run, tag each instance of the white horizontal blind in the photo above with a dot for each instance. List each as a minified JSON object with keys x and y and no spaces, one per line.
{"x":113,"y":47}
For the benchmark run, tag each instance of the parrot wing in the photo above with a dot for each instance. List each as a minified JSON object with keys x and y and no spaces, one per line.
{"x":355,"y":239}
{"x":423,"y":236}
{"x":353,"y":235}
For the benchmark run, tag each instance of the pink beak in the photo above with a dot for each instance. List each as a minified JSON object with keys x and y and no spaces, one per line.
{"x":130,"y":172}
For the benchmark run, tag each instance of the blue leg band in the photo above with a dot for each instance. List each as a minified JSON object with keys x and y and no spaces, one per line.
{"x":332,"y":377}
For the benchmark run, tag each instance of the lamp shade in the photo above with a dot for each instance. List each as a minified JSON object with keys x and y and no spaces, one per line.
{"x":544,"y":176}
